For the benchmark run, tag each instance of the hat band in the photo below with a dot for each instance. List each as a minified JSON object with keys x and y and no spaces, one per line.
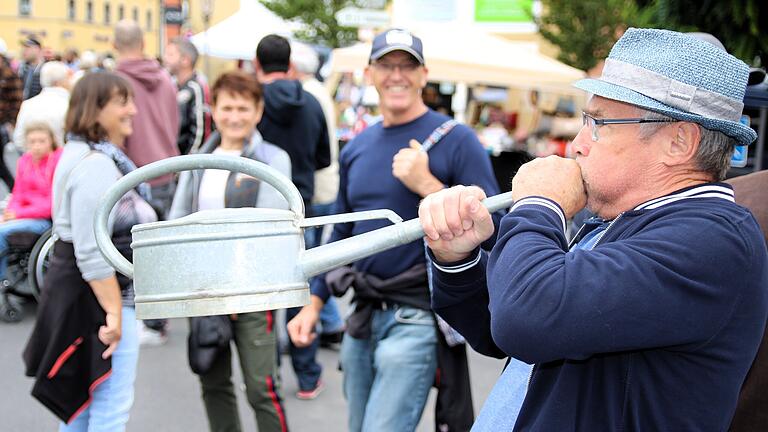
{"x":676,"y":94}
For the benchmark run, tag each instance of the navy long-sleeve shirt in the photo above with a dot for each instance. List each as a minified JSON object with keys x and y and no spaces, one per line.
{"x":654,"y":328}
{"x":366,"y":183}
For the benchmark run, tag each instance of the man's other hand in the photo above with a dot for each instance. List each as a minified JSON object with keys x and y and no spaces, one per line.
{"x":455,"y":222}
{"x":552,"y":177}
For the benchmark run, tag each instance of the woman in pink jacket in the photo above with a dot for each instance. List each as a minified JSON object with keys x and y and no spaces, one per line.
{"x":29,"y":209}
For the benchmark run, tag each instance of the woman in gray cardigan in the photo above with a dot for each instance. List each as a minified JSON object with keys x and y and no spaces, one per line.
{"x":84,"y":348}
{"x":237,"y":108}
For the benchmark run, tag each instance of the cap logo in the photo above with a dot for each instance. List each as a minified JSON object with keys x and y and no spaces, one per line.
{"x":399,"y":37}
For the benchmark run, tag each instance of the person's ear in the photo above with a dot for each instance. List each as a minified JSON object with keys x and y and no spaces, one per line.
{"x":368,"y":74}
{"x":684,"y":144}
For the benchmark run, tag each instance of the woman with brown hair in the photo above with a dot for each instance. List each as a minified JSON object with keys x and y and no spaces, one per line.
{"x":237,"y":108}
{"x":84,"y":348}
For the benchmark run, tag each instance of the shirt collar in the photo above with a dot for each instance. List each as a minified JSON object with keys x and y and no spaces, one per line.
{"x":707,"y":190}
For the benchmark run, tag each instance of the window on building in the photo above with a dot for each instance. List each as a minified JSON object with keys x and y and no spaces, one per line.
{"x":71,"y":10}
{"x":136,"y":14}
{"x":25,"y":7}
{"x":120,"y":13}
{"x":149,"y":20}
{"x":107,"y":13}
{"x":89,"y":11}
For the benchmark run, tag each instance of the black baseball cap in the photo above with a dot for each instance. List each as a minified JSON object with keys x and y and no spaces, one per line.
{"x":396,"y":40}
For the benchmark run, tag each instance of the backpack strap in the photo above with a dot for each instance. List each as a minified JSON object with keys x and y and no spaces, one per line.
{"x":438,"y":134}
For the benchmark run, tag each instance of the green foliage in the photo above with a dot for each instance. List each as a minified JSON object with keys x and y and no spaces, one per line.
{"x":737,"y":23}
{"x":585,"y":30}
{"x":319,"y":19}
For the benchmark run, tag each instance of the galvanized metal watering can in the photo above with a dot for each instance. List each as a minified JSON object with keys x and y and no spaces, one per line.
{"x":217,"y":262}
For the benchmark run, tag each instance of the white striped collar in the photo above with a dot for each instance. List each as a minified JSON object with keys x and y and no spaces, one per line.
{"x":708,"y":190}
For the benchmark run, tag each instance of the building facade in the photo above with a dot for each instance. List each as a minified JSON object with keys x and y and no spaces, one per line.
{"x":79,"y":24}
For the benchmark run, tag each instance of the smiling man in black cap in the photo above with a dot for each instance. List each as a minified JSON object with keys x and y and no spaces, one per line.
{"x":389,"y":354}
{"x":29,"y":71}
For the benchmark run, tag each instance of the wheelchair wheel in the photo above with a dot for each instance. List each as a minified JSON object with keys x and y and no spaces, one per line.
{"x":38,"y":261}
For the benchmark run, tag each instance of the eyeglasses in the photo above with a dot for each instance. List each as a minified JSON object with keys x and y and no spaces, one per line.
{"x":388,"y":68}
{"x":593,"y":123}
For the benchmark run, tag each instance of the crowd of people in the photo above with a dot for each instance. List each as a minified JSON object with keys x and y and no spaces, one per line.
{"x":649,"y":318}
{"x":110,"y":121}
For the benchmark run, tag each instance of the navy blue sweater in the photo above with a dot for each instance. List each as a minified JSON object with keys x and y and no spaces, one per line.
{"x":366,"y":183}
{"x":653,"y":329}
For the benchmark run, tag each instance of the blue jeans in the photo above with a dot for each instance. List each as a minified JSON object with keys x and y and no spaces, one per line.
{"x":305,"y":366}
{"x":111,"y":401}
{"x":37,"y":226}
{"x":330,"y":318}
{"x":388,"y":376}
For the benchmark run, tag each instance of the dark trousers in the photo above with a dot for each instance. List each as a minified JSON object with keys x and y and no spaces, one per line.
{"x":255,"y":343}
{"x":453,"y":409}
{"x":306,"y":368}
{"x":303,"y":360}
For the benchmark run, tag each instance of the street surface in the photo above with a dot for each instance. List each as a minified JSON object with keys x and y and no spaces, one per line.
{"x":168,"y":395}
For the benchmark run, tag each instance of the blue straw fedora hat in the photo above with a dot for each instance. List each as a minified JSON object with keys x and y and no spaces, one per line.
{"x":679,"y":76}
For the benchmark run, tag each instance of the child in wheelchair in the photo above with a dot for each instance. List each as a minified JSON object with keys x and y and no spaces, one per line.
{"x":26,"y":217}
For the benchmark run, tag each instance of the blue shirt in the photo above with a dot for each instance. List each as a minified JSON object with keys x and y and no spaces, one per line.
{"x":500,"y":410}
{"x":366,"y":183}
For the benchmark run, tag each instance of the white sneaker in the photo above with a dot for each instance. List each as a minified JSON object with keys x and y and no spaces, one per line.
{"x":149,"y":337}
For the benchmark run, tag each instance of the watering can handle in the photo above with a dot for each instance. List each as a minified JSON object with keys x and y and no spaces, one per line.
{"x":183,"y":163}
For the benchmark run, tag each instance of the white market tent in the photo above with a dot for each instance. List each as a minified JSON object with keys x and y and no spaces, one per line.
{"x":474,"y":58}
{"x":236,"y":36}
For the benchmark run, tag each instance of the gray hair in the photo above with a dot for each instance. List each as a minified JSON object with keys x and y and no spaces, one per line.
{"x":304,"y":58}
{"x":715,"y":148}
{"x":128,"y":35}
{"x":52,"y":73}
{"x":187,"y":49}
{"x":88,"y":60}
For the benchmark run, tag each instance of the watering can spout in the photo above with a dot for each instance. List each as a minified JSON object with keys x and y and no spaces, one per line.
{"x":327,"y":257}
{"x":332,"y":255}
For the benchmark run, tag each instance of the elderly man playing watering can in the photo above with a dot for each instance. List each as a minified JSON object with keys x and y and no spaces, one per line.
{"x":389,"y":354}
{"x":652,"y":316}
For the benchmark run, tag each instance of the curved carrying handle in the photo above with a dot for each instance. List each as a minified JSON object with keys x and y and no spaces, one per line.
{"x":183,"y":163}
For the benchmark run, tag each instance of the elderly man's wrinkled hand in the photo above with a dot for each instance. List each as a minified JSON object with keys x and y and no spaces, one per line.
{"x":455,"y":222}
{"x":552,"y":177}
